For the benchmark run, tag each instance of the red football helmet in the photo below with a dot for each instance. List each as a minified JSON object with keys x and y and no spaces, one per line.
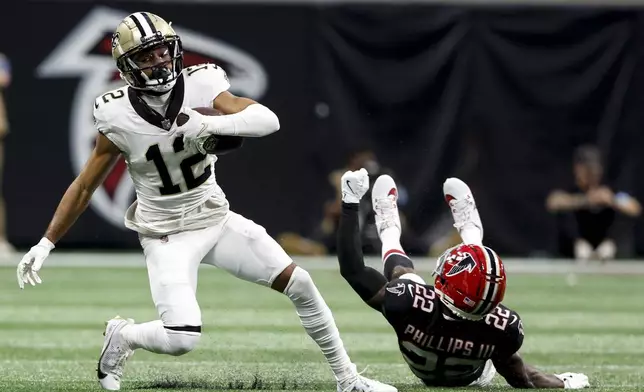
{"x":470,"y":280}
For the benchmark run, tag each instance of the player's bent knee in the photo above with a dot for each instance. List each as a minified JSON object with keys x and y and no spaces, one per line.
{"x":182,"y":342}
{"x":300,"y":286}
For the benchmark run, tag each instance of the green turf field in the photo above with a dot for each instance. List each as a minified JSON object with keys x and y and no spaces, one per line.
{"x":50,"y":336}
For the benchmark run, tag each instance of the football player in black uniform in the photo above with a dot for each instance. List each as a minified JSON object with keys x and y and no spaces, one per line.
{"x":456,"y":332}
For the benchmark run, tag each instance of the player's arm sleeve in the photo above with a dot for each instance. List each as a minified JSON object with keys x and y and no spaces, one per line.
{"x":243,"y":117}
{"x":507,"y":360}
{"x":512,"y":335}
{"x":366,"y":281}
{"x":514,"y":344}
{"x":397,"y":302}
{"x":217,"y":80}
{"x":511,"y":366}
{"x":209,"y":80}
{"x":509,"y":363}
{"x":102,"y":125}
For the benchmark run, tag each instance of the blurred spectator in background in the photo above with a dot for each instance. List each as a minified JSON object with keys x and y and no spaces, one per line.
{"x":323,"y":239}
{"x":5,"y":79}
{"x":586,"y":212}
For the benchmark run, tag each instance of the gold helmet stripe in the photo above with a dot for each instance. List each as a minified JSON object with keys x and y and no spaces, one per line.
{"x":141,"y":24}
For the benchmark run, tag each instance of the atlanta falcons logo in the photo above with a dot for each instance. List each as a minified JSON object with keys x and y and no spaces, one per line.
{"x":398,"y":290}
{"x":86,"y":54}
{"x":465,"y":263}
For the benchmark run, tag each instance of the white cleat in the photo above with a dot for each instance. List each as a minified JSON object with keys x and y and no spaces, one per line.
{"x":364,"y":384}
{"x":113,"y":355}
{"x":384,"y":198}
{"x":461,"y":202}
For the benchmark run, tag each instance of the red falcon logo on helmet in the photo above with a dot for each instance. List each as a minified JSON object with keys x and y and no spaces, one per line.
{"x":465,"y":263}
{"x":470,"y":280}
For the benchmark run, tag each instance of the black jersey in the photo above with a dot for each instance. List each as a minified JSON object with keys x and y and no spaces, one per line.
{"x":441,"y":350}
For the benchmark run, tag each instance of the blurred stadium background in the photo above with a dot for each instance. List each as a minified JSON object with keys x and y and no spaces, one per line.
{"x":498,"y":93}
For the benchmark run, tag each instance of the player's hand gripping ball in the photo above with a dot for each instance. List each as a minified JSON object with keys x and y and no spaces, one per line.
{"x":213,"y":144}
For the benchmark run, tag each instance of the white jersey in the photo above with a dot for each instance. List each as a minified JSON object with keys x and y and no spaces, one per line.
{"x":175,"y":189}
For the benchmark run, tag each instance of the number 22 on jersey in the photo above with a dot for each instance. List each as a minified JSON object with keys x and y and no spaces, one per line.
{"x":423,"y":298}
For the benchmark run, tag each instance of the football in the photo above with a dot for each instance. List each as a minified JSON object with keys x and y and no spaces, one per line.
{"x":206,"y":111}
{"x":214,"y":144}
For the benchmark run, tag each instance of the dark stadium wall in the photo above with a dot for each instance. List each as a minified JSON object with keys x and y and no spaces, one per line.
{"x":497,"y":96}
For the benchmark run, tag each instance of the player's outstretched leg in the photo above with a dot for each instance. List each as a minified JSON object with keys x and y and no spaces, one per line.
{"x":461,"y":202}
{"x":318,"y":321}
{"x":384,"y":199}
{"x":248,"y":252}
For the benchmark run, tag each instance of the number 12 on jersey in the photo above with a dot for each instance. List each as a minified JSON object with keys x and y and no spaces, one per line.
{"x":169,"y":188}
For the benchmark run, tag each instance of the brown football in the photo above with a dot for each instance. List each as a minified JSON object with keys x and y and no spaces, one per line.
{"x":182,"y":118}
{"x":206,"y":111}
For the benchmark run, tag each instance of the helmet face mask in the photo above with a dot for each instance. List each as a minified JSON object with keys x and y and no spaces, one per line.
{"x":470,"y":281}
{"x":148,"y":52}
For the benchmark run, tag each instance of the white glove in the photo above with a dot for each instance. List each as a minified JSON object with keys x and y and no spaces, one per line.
{"x":194,"y":127}
{"x":573,"y":380}
{"x":195,"y":144}
{"x":354,"y":185}
{"x":31,"y":262}
{"x":192,"y":130}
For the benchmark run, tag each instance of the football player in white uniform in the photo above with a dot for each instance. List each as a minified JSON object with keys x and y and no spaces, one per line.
{"x":181,"y":214}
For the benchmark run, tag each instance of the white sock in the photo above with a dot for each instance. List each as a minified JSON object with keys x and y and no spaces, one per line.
{"x":472,"y":235}
{"x":149,"y":336}
{"x":390,"y":238}
{"x":153,"y":337}
{"x":317,"y":320}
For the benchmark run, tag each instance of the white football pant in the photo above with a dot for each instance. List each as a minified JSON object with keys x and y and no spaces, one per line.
{"x":237,"y":245}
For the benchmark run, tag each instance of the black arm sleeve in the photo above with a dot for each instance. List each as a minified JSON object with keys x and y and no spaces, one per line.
{"x":365,"y":281}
